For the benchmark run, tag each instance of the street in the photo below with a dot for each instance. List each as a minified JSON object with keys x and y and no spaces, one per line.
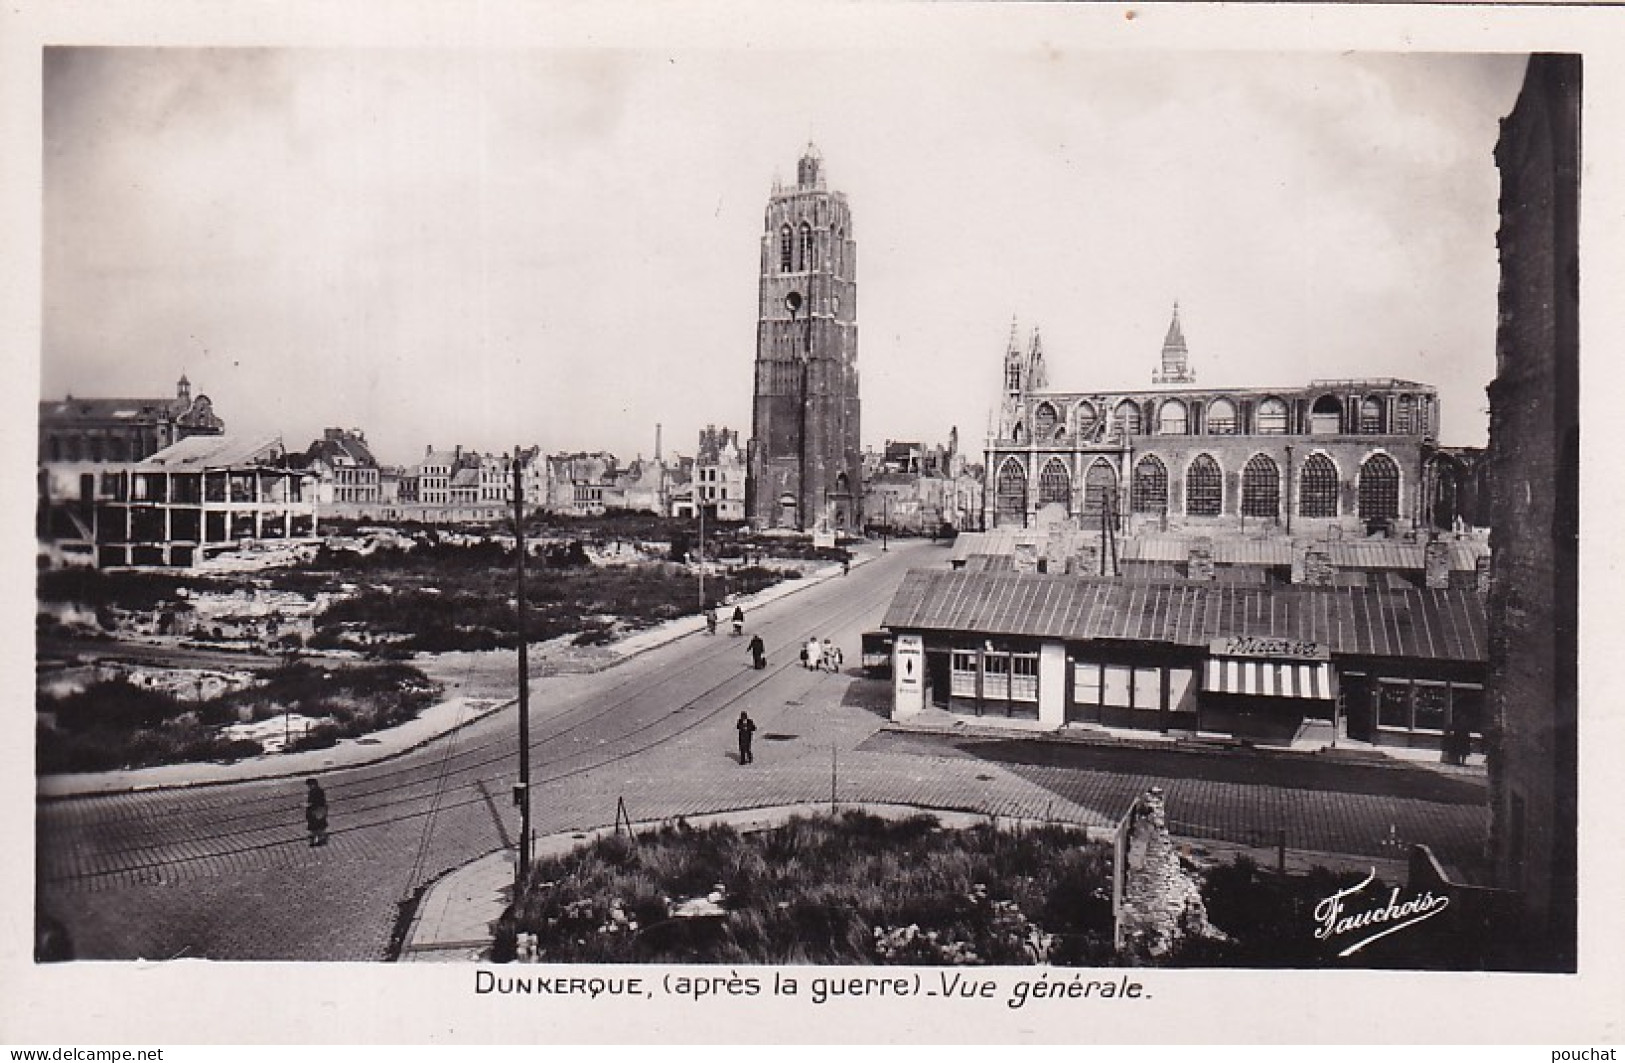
{"x":225,"y":872}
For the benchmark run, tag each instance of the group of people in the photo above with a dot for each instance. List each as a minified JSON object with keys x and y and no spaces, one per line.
{"x":711,"y":620}
{"x":825,"y":655}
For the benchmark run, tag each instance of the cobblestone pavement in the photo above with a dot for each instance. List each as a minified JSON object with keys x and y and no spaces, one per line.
{"x":225,"y":871}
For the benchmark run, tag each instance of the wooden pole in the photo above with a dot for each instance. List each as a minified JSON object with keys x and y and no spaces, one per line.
{"x":523,"y":866}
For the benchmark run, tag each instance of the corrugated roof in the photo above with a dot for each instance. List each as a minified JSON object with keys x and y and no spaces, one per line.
{"x":213,"y":452}
{"x":1408,"y":622}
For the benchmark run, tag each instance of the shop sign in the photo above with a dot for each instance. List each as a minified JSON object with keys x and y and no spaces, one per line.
{"x":1275,"y":648}
{"x":909,"y":666}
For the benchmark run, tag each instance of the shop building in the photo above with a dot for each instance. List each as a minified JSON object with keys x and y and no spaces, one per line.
{"x":1382,"y":666}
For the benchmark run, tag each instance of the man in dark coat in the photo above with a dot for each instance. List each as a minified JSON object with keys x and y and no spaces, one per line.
{"x":316,"y":812}
{"x":758,"y":652}
{"x":746,"y":727}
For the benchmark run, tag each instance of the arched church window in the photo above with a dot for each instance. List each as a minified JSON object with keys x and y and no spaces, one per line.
{"x":1127,"y":416}
{"x":1055,"y":484}
{"x":1099,"y":488}
{"x":1272,"y":417}
{"x":1044,"y":421}
{"x":1221,"y":418}
{"x":1326,"y":416}
{"x":786,"y":249}
{"x":1405,"y":415}
{"x":1317,"y":487}
{"x":1171,"y":419}
{"x":806,"y":261}
{"x":1204,"y":487}
{"x":1261,"y":488}
{"x":1086,"y":419}
{"x":1148,"y":493}
{"x":1371,"y":417}
{"x":1010,"y":498}
{"x":1379,"y":488}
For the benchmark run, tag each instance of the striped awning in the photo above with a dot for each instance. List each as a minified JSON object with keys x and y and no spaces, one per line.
{"x":1279,"y":679}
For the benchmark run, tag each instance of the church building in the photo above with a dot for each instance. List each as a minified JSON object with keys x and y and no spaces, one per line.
{"x":804,"y":458}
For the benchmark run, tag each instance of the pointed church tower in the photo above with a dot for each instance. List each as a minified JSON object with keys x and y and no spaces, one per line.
{"x":805,"y":466}
{"x":1037,"y":375}
{"x":1176,"y":368}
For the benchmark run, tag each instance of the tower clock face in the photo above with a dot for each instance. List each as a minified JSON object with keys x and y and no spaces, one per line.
{"x":792,"y":303}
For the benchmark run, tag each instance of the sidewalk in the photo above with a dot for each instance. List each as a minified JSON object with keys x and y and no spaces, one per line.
{"x":430,"y":724}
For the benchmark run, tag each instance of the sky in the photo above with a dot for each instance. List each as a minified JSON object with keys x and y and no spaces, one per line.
{"x":560,"y":246}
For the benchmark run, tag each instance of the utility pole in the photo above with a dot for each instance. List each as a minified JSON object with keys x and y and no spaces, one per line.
{"x":699,"y":506}
{"x":521,"y":792}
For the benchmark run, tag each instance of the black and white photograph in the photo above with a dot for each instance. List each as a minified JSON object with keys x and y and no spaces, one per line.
{"x":701,"y":518}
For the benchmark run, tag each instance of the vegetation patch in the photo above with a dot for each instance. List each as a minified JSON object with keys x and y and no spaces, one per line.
{"x":441,"y":597}
{"x":849,"y":889}
{"x":117,"y":724}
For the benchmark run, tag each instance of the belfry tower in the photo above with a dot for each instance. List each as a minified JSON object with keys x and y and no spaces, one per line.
{"x":1176,"y":358}
{"x":805,"y":464}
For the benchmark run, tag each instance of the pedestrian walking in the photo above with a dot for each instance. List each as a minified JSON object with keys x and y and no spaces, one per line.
{"x":710,"y":620}
{"x":811,"y":653}
{"x":316,"y":812}
{"x":746,"y":727}
{"x":758,"y":653}
{"x":739,"y":620}
{"x":831,"y":656}
{"x":846,"y":565}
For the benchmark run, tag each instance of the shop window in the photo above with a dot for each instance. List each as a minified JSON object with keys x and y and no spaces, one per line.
{"x":1181,"y":690}
{"x":1379,"y":488}
{"x":1272,"y":419}
{"x":1024,"y":677}
{"x":1431,"y":706}
{"x":1261,"y":488}
{"x":1148,"y":688}
{"x":1204,"y":487}
{"x":1317,"y":487}
{"x":1467,"y":705}
{"x":1394,"y":704}
{"x":1086,"y":687}
{"x":1149,"y":490}
{"x":1221,"y":418}
{"x":996,"y":676}
{"x":962,"y":674}
{"x":1172,"y":419}
{"x":1117,"y":686}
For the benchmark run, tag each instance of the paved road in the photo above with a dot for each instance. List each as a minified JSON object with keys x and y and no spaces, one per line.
{"x":224,"y":872}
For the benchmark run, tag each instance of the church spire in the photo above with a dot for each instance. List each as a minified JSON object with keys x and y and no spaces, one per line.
{"x":1176,"y":367}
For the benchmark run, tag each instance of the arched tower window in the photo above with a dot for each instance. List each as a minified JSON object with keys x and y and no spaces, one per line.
{"x":1044,"y":421}
{"x":806,"y":261}
{"x":1317,"y":487}
{"x":1371,"y":417}
{"x":1086,"y":419}
{"x":1099,"y":489}
{"x":1326,"y":416}
{"x":1127,"y":416}
{"x":786,"y":249}
{"x":1272,"y":417}
{"x":1204,"y":488}
{"x":1405,"y":415}
{"x":1010,"y":499}
{"x":1261,"y":488}
{"x":1012,"y":376}
{"x":1221,"y":418}
{"x":1171,"y":419}
{"x":1055,"y":484}
{"x":1019,"y":433}
{"x":840,"y":252}
{"x":1148,"y":493}
{"x":1379,"y":488}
